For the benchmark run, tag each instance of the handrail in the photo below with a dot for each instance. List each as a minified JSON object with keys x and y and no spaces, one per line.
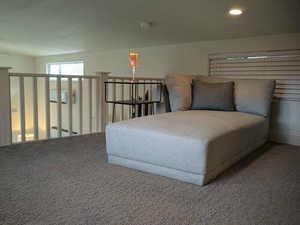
{"x":136,"y":78}
{"x":129,"y":82}
{"x":80,"y":76}
{"x":52,"y":75}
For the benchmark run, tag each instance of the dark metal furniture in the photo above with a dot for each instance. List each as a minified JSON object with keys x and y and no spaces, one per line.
{"x":135,"y":101}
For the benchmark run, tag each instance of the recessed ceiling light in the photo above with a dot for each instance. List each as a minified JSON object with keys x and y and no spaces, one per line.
{"x":146,"y":25}
{"x":235,"y":12}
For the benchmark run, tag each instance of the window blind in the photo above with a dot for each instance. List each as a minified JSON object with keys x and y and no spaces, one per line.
{"x":280,"y":65}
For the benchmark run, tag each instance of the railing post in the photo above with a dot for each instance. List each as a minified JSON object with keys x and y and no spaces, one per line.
{"x":102,"y":113}
{"x":5,"y":107}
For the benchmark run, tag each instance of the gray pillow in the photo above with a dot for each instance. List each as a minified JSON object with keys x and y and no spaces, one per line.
{"x":254,"y":96}
{"x":180,"y":92}
{"x":250,"y":95}
{"x":212,"y":96}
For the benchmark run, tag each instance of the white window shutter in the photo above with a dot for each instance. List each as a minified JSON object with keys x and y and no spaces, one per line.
{"x":280,"y":65}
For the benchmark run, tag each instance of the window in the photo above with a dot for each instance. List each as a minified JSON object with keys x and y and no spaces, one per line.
{"x":280,"y":65}
{"x":263,"y":63}
{"x":66,"y":68}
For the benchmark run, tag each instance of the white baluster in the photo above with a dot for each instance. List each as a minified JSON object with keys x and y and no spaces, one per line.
{"x":22,"y":109}
{"x":90,"y":106}
{"x":80,"y":105}
{"x":47,"y":108}
{"x":35,"y":109}
{"x":70,"y":104}
{"x":98,"y":94}
{"x":59,"y":110}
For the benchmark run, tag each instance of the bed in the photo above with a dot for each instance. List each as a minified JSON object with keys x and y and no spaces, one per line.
{"x":192,"y":146}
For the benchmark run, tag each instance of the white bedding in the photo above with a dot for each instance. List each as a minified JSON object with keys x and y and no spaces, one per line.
{"x":199,"y":142}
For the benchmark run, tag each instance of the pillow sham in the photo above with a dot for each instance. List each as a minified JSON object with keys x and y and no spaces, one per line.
{"x":254,"y":96}
{"x":213,"y":96}
{"x":250,"y":95}
{"x":180,"y":92}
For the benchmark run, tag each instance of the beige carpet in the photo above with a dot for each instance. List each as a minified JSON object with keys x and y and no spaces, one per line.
{"x":68,"y":182}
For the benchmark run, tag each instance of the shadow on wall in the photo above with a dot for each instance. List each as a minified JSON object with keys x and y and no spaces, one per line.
{"x":285,"y":123}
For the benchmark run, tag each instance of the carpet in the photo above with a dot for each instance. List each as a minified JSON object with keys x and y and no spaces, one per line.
{"x":68,"y":182}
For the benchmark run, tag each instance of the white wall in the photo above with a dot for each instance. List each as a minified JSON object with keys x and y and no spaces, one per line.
{"x":183,"y":58}
{"x":193,"y":58}
{"x":24,"y":64}
{"x":19,"y":63}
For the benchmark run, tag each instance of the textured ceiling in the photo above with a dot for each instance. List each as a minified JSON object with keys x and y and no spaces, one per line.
{"x":45,"y":27}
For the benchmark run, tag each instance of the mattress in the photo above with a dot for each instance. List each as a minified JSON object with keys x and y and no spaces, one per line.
{"x":197,"y":142}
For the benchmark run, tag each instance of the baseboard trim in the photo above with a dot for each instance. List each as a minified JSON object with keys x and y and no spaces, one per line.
{"x":291,"y":137}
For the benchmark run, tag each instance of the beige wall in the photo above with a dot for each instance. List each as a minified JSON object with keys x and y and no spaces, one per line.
{"x":19,"y":63}
{"x":182,"y":58}
{"x":24,"y":64}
